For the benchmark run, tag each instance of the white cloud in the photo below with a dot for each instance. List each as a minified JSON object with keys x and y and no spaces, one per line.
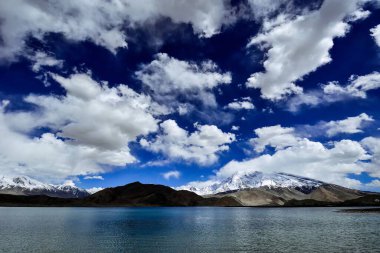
{"x":297,"y":46}
{"x":41,"y":59}
{"x":357,"y":87}
{"x":168,"y":78}
{"x":171,"y":174}
{"x":375,"y":33}
{"x":93,"y":178}
{"x":277,"y":137}
{"x":94,"y":189}
{"x":359,"y":14}
{"x":235,"y":128}
{"x":101,"y":22}
{"x":202,"y":146}
{"x":243,"y":104}
{"x":90,"y":129}
{"x":350,"y":125}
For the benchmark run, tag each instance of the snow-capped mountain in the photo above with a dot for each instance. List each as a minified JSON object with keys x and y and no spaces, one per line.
{"x":23,"y":185}
{"x":253,"y":180}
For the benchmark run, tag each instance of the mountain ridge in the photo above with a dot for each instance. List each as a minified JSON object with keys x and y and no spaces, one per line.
{"x":255,"y":180}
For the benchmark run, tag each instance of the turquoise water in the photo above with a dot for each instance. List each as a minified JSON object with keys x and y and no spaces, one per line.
{"x":192,"y":229}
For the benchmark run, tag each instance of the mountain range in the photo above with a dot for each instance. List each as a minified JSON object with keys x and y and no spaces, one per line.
{"x":27,"y":186}
{"x":255,"y":189}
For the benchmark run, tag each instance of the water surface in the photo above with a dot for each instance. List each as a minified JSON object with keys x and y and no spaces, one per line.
{"x":190,"y":229}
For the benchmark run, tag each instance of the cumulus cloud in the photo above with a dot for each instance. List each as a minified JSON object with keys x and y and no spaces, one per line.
{"x":277,"y":137}
{"x":357,"y":87}
{"x":243,"y":104}
{"x":169,"y":78}
{"x":290,"y":56}
{"x":350,"y":125}
{"x":375,"y":33}
{"x":101,"y":22}
{"x":83,"y":132}
{"x":171,"y":174}
{"x":202,"y":146}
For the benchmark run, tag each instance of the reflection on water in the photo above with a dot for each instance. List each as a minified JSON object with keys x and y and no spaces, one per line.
{"x":192,"y":229}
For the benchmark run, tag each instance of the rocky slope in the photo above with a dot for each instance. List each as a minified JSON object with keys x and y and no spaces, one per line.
{"x":27,"y":186}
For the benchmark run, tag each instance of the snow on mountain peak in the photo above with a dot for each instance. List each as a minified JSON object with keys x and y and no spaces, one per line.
{"x":252,"y":180}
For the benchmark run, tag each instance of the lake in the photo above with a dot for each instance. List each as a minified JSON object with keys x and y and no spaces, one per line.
{"x":187,"y":229}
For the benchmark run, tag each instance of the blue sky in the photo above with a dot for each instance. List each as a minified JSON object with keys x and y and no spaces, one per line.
{"x":169,"y":92}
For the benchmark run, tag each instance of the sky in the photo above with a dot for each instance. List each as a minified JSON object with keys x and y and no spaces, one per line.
{"x":103,"y":93}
